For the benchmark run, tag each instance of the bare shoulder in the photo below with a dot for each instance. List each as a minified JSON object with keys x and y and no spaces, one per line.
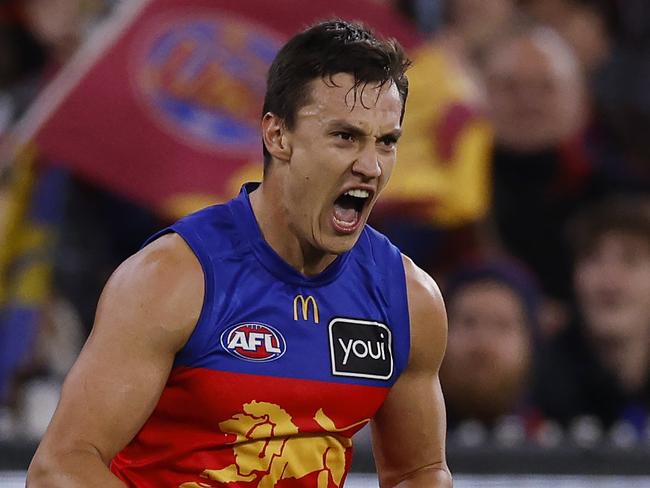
{"x":146,"y":313}
{"x":161,"y":287}
{"x":427,"y":316}
{"x":421,"y":287}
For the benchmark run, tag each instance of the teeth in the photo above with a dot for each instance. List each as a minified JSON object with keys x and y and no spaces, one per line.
{"x":358,"y":193}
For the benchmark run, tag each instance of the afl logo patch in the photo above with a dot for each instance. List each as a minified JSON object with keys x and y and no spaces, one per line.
{"x":202,"y":78}
{"x":253,"y":341}
{"x":360,"y":348}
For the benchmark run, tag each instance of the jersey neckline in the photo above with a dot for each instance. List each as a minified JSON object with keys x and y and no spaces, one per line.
{"x":247,"y":224}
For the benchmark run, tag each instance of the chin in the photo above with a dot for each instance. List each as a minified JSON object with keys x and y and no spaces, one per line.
{"x":339,"y":244}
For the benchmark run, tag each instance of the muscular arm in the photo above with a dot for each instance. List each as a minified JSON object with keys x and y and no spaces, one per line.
{"x":409,"y":429}
{"x":145,"y":314}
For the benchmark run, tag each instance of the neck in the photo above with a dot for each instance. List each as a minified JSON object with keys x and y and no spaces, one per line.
{"x":278,"y":232}
{"x":627,"y":358}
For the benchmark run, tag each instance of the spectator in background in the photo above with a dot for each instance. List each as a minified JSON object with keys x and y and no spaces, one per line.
{"x":623,"y":98}
{"x":61,"y":25}
{"x":536,"y":90}
{"x":41,"y":36}
{"x":36,"y":38}
{"x":601,"y":366}
{"x":585,"y":24}
{"x":56,"y":24}
{"x":441,"y":186}
{"x":478,"y":23}
{"x":612,"y":43}
{"x":540,"y":173}
{"x":488,"y":366}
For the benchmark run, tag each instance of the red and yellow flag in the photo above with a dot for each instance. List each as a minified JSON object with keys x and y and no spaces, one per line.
{"x":163,"y":106}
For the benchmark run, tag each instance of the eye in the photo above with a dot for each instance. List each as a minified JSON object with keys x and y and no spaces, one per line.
{"x":345,"y":136}
{"x":388,"y":143}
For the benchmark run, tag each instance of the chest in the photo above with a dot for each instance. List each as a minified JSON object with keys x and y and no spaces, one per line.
{"x":326,"y":333}
{"x":332,"y":349}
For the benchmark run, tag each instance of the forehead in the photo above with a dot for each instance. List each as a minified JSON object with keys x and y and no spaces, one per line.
{"x":534,"y":56}
{"x":494,"y":293}
{"x":627,"y":240}
{"x":369,"y":106}
{"x":519,"y":58}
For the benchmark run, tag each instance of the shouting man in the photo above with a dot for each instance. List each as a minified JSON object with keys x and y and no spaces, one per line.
{"x":244,"y":345}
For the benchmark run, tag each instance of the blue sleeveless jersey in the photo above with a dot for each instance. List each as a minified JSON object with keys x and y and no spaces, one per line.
{"x":281,"y":369}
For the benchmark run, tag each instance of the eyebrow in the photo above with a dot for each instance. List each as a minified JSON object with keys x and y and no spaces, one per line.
{"x":343,"y":126}
{"x":393,"y":135}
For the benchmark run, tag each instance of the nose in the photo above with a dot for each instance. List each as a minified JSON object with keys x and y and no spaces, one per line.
{"x":367,"y":164}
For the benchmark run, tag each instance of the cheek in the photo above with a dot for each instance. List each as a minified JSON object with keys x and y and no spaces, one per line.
{"x":297,"y":198}
{"x":516,"y":351}
{"x":638,"y":284}
{"x":586,"y":280}
{"x":640,"y":274}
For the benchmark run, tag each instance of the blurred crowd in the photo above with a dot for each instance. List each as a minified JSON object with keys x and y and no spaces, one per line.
{"x":530,"y":128}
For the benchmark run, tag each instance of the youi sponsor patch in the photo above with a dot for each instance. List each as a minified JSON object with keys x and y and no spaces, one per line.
{"x":360,"y":348}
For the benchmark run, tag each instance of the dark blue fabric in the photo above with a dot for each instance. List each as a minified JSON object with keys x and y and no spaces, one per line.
{"x":247,"y":282}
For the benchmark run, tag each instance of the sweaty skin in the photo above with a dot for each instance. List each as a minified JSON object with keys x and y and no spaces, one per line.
{"x":146,"y":313}
{"x":150,"y":305}
{"x":336,"y":144}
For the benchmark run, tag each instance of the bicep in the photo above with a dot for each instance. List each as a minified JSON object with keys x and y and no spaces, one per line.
{"x":119,"y":376}
{"x":409,"y":430}
{"x":109,"y":393}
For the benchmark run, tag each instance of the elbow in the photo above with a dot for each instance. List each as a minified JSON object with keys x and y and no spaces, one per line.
{"x":446,"y":480}
{"x":439,"y":477}
{"x":431,"y":476}
{"x":46,"y":470}
{"x":38,"y":472}
{"x":54,"y":467}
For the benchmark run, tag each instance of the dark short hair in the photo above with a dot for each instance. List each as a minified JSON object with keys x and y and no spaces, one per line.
{"x":504,"y":271}
{"x":323,"y":50}
{"x":629,"y":215}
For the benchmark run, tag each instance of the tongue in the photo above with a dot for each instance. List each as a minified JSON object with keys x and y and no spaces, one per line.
{"x":348,"y":215}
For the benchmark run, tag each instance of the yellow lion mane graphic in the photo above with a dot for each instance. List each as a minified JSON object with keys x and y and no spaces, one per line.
{"x":269,"y":447}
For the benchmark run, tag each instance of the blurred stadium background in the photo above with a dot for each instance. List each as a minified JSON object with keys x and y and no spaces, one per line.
{"x":522,"y":186}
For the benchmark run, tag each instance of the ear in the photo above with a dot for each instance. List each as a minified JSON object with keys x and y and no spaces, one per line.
{"x":274,"y":134}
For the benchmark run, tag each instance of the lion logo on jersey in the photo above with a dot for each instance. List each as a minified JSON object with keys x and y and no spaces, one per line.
{"x":268,"y":448}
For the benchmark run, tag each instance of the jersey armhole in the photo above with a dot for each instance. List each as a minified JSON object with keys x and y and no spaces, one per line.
{"x":394,"y":289}
{"x":402,"y":310}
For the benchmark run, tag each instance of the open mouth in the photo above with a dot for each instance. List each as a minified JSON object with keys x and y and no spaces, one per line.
{"x":348,"y":209}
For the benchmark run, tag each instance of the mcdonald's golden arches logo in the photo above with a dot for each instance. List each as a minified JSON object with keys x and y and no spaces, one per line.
{"x":304,"y":307}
